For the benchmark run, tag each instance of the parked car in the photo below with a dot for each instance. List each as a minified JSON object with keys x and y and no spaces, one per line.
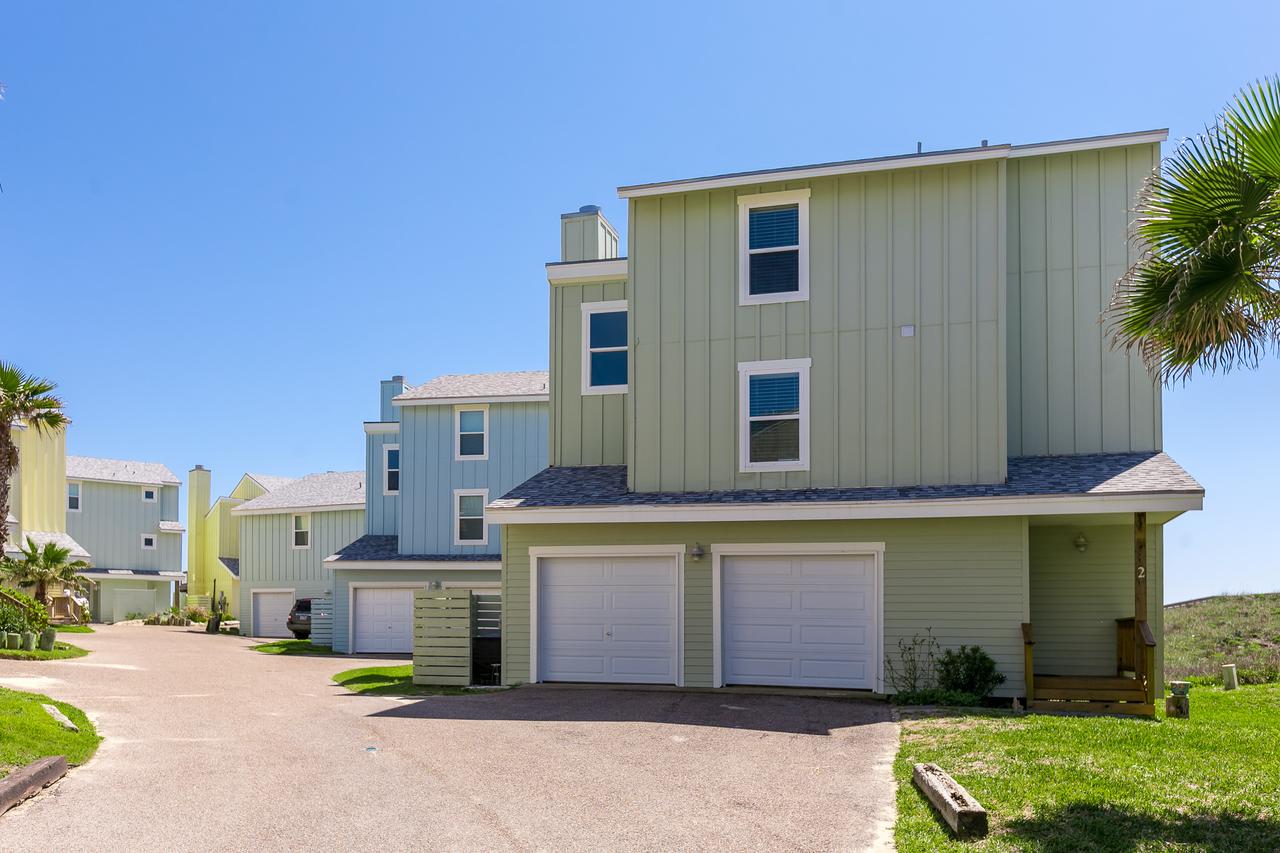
{"x":299,"y":621}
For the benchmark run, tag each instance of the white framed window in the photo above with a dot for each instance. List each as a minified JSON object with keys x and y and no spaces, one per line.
{"x":773,"y":247}
{"x":604,"y":347}
{"x":148,"y":541}
{"x":390,"y":469}
{"x":148,"y":495}
{"x":73,"y":497}
{"x":469,"y":527}
{"x":773,"y":415}
{"x":471,"y":433}
{"x":301,"y":530}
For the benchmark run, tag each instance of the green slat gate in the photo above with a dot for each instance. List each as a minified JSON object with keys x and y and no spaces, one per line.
{"x":442,"y":636}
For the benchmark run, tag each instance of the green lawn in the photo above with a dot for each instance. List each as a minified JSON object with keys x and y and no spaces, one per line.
{"x":74,"y":629}
{"x":291,"y":647}
{"x":60,"y":650}
{"x":1103,"y":783}
{"x":395,"y":681}
{"x":1239,"y":629}
{"x":27,"y":732}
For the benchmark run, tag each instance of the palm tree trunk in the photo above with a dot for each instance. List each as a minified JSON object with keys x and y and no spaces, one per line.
{"x":8,"y":464}
{"x":40,"y":590}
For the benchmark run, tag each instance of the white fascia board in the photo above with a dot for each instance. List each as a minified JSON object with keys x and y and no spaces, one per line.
{"x":849,"y":510}
{"x":381,"y":427}
{"x":280,"y":510}
{"x":454,"y":401}
{"x":1090,"y":143}
{"x":72,"y":479}
{"x":576,"y":271}
{"x":414,"y":565}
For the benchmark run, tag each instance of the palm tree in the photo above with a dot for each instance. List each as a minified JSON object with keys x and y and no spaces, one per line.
{"x":26,"y":399}
{"x":1207,"y":290}
{"x":41,"y":565}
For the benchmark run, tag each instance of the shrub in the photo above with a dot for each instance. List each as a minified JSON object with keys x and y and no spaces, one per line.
{"x":968,"y":670}
{"x":916,"y":668}
{"x":936,"y":696}
{"x":196,"y":614}
{"x":129,"y":617}
{"x":30,"y":616}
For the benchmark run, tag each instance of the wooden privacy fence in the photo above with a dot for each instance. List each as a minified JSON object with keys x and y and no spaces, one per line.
{"x":442,"y":630}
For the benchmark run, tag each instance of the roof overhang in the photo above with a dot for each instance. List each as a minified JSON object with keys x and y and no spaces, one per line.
{"x":279,"y":510}
{"x":587,"y":272}
{"x":454,"y":401}
{"x":381,"y":427}
{"x":900,"y":161}
{"x":75,"y":479}
{"x":1172,"y":503}
{"x":414,"y":565}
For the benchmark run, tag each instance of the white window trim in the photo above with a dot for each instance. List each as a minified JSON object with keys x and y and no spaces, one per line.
{"x":589,"y":308}
{"x":142,"y":539}
{"x":746,"y":370}
{"x":293,"y":540}
{"x":457,"y":432}
{"x":484,"y":516}
{"x":79,"y":496}
{"x":155,"y":494}
{"x":386,"y":471}
{"x":746,"y":203}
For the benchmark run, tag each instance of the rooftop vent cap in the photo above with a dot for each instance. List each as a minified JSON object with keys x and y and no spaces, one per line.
{"x":589,"y":208}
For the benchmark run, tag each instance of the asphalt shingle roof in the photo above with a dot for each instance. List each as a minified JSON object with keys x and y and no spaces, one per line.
{"x":334,"y":488}
{"x":1029,"y":476}
{"x":232,"y":564}
{"x":524,"y":383}
{"x":270,"y":482}
{"x":42,"y":537}
{"x":120,"y":471}
{"x":379,"y":548}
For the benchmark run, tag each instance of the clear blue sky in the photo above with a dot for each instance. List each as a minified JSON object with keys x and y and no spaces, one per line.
{"x":221,"y":226}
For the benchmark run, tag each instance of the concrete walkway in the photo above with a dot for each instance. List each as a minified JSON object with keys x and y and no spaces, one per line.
{"x":210,"y":746}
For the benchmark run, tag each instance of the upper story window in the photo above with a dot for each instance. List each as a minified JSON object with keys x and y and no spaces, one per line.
{"x":604,"y":347}
{"x":148,"y":495}
{"x":471,"y":430}
{"x":302,"y":531}
{"x":73,"y":497}
{"x":773,"y":247}
{"x":148,"y":542}
{"x":773,"y":412}
{"x":391,"y":469}
{"x":469,"y":527}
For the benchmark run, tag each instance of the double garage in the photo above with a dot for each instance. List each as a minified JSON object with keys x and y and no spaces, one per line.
{"x":809,"y":617}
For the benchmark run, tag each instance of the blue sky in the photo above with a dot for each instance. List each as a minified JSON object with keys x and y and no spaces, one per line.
{"x":221,"y":225}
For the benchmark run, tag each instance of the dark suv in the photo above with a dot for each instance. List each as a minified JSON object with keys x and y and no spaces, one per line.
{"x":299,"y":621}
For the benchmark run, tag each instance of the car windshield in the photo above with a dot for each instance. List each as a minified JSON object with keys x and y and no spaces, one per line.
{"x":302,"y":605}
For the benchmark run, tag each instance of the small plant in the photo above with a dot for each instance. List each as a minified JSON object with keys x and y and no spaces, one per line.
{"x":20,"y":612}
{"x":916,"y":668}
{"x":968,"y":670}
{"x":129,"y":617}
{"x":196,"y":614}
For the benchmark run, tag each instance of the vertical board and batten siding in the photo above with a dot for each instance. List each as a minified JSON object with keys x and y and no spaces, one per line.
{"x":964,"y":578}
{"x":1076,"y":597}
{"x":383,"y":510}
{"x":39,"y":492}
{"x":586,"y":237}
{"x":111,"y":522}
{"x":922,"y":247}
{"x":268,"y":560}
{"x":342,"y":580}
{"x":586,"y":429}
{"x":1069,"y":223}
{"x":429,"y":473}
{"x":247,"y":489}
{"x":227,"y":527}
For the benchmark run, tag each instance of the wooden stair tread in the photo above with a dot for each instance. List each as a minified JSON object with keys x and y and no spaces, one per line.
{"x":1087,"y":682}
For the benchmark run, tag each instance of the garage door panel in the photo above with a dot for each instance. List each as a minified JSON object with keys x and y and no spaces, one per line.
{"x":829,"y":599}
{"x":849,"y":636}
{"x":382,"y":620}
{"x":644,"y":633}
{"x":636,"y":668}
{"x":827,"y":569}
{"x":576,"y":668}
{"x":760,"y":599}
{"x":575,"y":572}
{"x":831,"y":669}
{"x":271,"y":614}
{"x":642,"y":572}
{"x":746,"y":633}
{"x":656,"y":602}
{"x":593,"y":601}
{"x":569,"y":632}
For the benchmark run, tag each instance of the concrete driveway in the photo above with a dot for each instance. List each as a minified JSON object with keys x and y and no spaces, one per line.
{"x":210,"y":746}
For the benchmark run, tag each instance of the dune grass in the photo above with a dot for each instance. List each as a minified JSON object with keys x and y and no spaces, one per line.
{"x":28,"y":733}
{"x":1239,"y":629}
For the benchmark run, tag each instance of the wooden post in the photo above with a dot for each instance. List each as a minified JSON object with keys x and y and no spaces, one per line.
{"x":1028,"y":665}
{"x":1139,"y":591}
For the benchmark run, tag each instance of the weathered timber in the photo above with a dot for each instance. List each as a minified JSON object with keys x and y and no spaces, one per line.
{"x":965,"y":815}
{"x":28,"y":780}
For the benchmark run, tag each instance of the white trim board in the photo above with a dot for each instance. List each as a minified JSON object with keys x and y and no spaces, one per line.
{"x":494,"y":565}
{"x":458,"y":410}
{"x":279,"y":510}
{"x":483,"y":541}
{"x":381,"y":427}
{"x":748,"y":369}
{"x":540,"y":552}
{"x":613,"y":306}
{"x":453,"y":401}
{"x":386,"y":471}
{"x":747,"y":203}
{"x":574,"y":272}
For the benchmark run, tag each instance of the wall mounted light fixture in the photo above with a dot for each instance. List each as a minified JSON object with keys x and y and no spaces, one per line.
{"x":696,"y":551}
{"x":1081,"y":543}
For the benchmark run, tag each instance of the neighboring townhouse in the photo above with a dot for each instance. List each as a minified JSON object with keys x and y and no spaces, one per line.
{"x":436,"y":455}
{"x":285,"y":534}
{"x":213,"y":538}
{"x":125,"y":514}
{"x":821,"y":410}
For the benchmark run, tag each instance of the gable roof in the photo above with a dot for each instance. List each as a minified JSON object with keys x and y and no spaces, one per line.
{"x":120,"y":471}
{"x":270,"y":482}
{"x":43,"y":537}
{"x":333,"y":490}
{"x":513,"y":386}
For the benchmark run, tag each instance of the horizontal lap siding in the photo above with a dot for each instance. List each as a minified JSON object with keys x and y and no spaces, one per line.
{"x":964,"y":578}
{"x":342,"y":603}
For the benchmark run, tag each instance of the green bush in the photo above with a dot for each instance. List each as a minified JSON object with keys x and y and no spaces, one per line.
{"x":968,"y":670}
{"x":129,"y":617}
{"x":34,"y":617}
{"x":937,"y":697}
{"x":196,"y":614}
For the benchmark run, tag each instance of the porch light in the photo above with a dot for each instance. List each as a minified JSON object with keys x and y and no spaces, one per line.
{"x":1081,"y":543}
{"x":696,"y":551}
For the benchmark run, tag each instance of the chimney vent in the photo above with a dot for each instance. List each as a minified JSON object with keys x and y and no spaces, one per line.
{"x":198,"y":468}
{"x":397,"y":378}
{"x":589,"y":208}
{"x":919,"y":147}
{"x":984,"y":143}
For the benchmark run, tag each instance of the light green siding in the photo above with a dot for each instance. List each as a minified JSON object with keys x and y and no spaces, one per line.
{"x":1076,"y":597}
{"x":1069,"y":391}
{"x":586,"y":429}
{"x":587,"y":236}
{"x":918,"y":247}
{"x":964,"y":578}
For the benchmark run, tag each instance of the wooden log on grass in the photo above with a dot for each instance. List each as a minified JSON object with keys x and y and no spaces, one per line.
{"x":965,"y":815}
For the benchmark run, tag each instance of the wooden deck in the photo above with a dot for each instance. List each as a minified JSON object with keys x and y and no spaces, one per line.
{"x":1127,"y":692}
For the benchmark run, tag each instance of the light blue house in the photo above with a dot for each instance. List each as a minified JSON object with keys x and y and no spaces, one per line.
{"x":436,"y":455}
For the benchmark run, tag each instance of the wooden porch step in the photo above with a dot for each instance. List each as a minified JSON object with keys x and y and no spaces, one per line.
{"x":1137,"y":709}
{"x":1100,"y":688}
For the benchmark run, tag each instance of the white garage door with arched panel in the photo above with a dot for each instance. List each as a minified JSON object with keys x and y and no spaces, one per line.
{"x":607,"y":618}
{"x":801,"y":617}
{"x":271,"y":613}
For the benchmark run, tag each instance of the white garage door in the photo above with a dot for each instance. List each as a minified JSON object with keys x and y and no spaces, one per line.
{"x":803,"y":621}
{"x":270,"y":613}
{"x":608,"y":619}
{"x":383,"y":620}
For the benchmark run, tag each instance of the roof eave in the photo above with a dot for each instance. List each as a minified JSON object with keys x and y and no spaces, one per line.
{"x":450,"y":401}
{"x":245,"y":509}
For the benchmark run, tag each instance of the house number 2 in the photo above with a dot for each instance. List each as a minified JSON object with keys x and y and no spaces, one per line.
{"x":1142,"y":572}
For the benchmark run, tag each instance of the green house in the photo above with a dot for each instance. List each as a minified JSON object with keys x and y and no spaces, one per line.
{"x":818,"y":411}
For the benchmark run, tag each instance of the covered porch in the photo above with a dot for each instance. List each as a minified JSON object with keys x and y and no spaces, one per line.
{"x":1093,"y":644}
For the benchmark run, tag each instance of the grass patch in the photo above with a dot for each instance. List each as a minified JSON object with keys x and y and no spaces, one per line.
{"x":60,"y":650}
{"x":27,"y":732}
{"x":1240,"y":629}
{"x":74,"y":629}
{"x":291,"y":647}
{"x":1105,"y":783}
{"x":395,"y":681}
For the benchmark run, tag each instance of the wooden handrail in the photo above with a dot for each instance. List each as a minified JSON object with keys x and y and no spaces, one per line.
{"x":1027,"y":636}
{"x":1148,"y":638}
